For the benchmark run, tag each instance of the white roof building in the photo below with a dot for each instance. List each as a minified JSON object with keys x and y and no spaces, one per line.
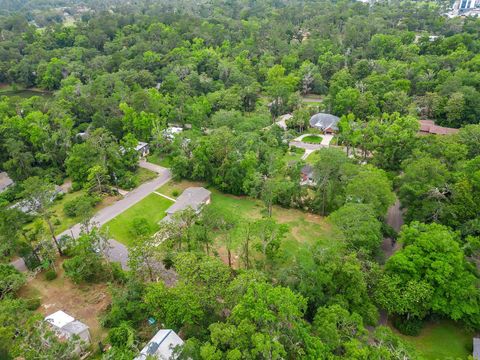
{"x":162,"y":346}
{"x":66,"y":326}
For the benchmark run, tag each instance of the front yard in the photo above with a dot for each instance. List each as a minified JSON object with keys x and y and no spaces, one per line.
{"x":152,"y":208}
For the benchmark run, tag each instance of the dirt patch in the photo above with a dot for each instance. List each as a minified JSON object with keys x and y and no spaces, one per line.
{"x":172,"y":186}
{"x":107,"y":201}
{"x":84,"y":302}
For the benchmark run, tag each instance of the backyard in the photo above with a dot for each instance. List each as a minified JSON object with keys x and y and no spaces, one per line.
{"x":442,"y":340}
{"x":85,"y":302}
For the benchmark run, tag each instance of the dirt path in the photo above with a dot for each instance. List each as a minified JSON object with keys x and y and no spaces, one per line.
{"x":395,"y":220}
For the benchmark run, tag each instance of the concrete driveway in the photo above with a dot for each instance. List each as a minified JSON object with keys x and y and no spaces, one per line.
{"x":117,"y":252}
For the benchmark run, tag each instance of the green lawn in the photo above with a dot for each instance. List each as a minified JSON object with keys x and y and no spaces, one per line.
{"x":144,"y":175}
{"x":312,"y":139}
{"x":444,"y":340}
{"x":160,"y":159}
{"x":151,"y":208}
{"x":313,"y":158}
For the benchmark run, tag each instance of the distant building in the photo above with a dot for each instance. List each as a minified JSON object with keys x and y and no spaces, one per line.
{"x":162,"y":346}
{"x":326,"y":123}
{"x":476,"y":348}
{"x":5,"y":181}
{"x":66,"y":326}
{"x":171,"y":131}
{"x":282,"y":121}
{"x":142,"y":148}
{"x":429,"y":127}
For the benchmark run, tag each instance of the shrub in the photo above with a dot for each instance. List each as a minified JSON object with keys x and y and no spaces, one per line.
{"x":50,"y":275}
{"x":33,"y":304}
{"x":80,"y":205}
{"x":175,"y":193}
{"x":10,"y":280}
{"x":410,"y":327}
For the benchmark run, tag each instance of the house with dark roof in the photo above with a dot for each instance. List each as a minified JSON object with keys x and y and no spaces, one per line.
{"x":193,"y":197}
{"x":429,"y":127}
{"x":162,"y":346}
{"x":142,"y":148}
{"x":327,"y":123}
{"x":5,"y":181}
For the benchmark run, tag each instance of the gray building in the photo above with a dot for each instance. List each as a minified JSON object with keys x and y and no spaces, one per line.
{"x":193,"y":197}
{"x":476,"y":348}
{"x":327,"y":123}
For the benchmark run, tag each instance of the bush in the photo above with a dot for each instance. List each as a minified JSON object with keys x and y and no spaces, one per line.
{"x":80,"y":205}
{"x":410,"y":327}
{"x":175,"y":193}
{"x":33,"y":304}
{"x":10,"y":280}
{"x":50,"y":275}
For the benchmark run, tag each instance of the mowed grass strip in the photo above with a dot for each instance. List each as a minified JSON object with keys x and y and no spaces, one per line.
{"x":442,"y":340}
{"x":152,"y":208}
{"x":312,"y":139}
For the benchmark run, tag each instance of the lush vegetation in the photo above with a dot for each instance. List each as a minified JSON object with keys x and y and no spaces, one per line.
{"x":272,"y":269}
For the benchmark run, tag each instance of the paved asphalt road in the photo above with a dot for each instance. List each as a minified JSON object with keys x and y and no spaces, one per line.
{"x":118,"y":252}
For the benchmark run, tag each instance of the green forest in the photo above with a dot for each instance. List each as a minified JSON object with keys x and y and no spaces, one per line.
{"x":372,"y":254}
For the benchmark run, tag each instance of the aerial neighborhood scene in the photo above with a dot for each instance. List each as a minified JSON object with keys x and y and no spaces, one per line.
{"x":227,"y":180}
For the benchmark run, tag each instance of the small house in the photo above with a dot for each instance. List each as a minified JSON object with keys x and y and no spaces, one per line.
{"x":142,"y":148}
{"x":327,"y":123}
{"x":162,"y":346}
{"x":65,"y":326}
{"x":193,"y":197}
{"x":170,"y":132}
{"x":5,"y":181}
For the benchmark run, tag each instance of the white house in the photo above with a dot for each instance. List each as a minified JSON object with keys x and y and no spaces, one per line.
{"x":162,"y":346}
{"x":65,"y":326}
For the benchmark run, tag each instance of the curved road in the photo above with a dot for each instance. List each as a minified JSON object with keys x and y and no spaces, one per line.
{"x":117,"y":252}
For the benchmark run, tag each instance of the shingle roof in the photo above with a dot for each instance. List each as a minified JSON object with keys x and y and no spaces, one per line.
{"x":324,"y":121}
{"x":428,"y":126}
{"x":192,"y":197}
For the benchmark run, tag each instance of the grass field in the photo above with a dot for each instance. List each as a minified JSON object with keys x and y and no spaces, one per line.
{"x":302,"y":227}
{"x":159,"y":159}
{"x":151,"y":208}
{"x":312,"y":139}
{"x":443,"y":340}
{"x":144,"y":175}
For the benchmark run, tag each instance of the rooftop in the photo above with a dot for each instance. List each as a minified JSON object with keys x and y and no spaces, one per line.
{"x":161,"y":346}
{"x":5,"y":181}
{"x":429,"y":127}
{"x":59,"y":319}
{"x":192,"y":197}
{"x":324,"y":121}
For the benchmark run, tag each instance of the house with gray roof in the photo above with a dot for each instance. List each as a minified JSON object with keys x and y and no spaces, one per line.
{"x":162,"y":346}
{"x":327,"y":123}
{"x":5,"y":181}
{"x":192,"y":197}
{"x":66,"y":327}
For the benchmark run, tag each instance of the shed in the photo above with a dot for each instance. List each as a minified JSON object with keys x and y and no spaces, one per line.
{"x":142,"y":148}
{"x":161,"y":346}
{"x":5,"y":181}
{"x":66,"y":326}
{"x":327,"y":123}
{"x":429,"y":127}
{"x":306,"y":174}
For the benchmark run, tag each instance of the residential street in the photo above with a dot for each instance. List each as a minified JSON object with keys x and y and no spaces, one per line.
{"x":118,"y":252}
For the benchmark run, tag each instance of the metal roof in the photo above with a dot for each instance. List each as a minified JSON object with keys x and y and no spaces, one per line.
{"x":161,"y":346}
